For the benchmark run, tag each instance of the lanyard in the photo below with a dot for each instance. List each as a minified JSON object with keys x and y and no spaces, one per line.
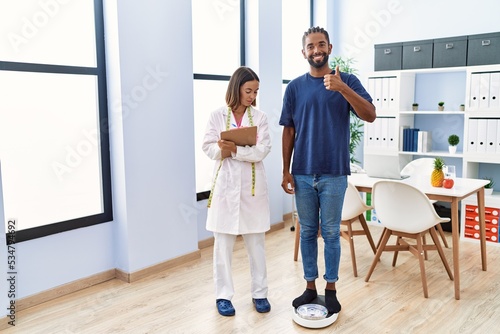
{"x":228,"y":123}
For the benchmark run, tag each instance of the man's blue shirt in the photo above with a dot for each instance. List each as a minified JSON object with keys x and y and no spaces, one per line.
{"x":321,"y":120}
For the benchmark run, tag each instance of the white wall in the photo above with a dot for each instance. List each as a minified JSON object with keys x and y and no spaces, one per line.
{"x":157,"y":135}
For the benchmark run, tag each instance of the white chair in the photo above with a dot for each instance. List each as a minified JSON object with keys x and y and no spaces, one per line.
{"x":406,"y":212}
{"x":423,"y":168}
{"x":353,"y":211}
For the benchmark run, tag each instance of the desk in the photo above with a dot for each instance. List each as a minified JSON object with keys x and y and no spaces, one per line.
{"x":463,"y":188}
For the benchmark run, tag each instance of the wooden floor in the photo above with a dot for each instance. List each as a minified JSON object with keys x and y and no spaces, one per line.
{"x":181,"y":300}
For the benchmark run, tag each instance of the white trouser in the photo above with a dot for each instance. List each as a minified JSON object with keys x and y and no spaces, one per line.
{"x":223,"y":255}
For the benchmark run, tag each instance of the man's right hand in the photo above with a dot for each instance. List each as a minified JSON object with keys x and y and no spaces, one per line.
{"x":287,"y":184}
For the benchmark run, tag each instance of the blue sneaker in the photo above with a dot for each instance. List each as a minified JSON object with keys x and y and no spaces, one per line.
{"x":225,"y":307}
{"x":262,"y":305}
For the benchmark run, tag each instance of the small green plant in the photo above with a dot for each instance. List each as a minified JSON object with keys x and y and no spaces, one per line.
{"x":453,"y":140}
{"x":441,"y":103}
{"x":356,"y":129}
{"x":414,"y":104}
{"x":345,"y":65}
{"x":356,"y":124}
{"x":489,"y":185}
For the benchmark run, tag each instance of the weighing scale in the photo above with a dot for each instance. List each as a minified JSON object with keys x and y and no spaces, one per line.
{"x":314,"y":314}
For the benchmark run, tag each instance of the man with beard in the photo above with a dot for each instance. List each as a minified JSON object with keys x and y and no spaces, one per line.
{"x":316,"y":115}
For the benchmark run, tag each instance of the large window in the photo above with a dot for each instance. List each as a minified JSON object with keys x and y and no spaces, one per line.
{"x":54,"y":149}
{"x":296,"y":19}
{"x":217,"y":52}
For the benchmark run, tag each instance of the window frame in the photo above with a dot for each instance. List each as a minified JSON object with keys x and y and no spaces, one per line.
{"x":200,"y":196}
{"x":100,"y":73}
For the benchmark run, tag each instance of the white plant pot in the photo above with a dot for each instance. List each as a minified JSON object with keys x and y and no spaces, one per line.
{"x":488,"y":191}
{"x":452,"y":149}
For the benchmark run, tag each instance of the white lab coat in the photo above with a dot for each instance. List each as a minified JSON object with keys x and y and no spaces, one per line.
{"x":233,"y":209}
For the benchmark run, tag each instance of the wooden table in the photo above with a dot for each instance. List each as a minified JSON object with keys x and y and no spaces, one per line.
{"x":463,"y":188}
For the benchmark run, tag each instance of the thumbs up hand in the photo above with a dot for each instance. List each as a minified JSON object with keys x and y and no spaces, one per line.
{"x":334,"y":81}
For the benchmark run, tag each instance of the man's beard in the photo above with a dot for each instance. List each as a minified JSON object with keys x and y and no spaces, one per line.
{"x":320,"y":64}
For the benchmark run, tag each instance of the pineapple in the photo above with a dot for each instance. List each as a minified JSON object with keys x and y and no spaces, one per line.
{"x":437,"y":175}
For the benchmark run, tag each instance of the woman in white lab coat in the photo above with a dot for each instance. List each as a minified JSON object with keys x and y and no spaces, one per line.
{"x":239,"y":202}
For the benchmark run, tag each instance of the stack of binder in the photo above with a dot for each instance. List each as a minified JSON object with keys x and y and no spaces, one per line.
{"x":484,"y":135}
{"x":410,"y":139}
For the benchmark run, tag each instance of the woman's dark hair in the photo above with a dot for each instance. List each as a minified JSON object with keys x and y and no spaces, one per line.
{"x":239,"y":78}
{"x":313,"y":30}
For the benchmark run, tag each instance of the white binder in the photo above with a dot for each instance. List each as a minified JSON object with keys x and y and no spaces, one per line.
{"x":385,"y":93}
{"x":497,"y":143}
{"x":372,"y":91}
{"x":392,"y":142}
{"x":369,"y":134}
{"x":474,"y":91}
{"x":384,"y":132}
{"x":377,"y":124}
{"x":420,"y":142}
{"x":472,"y":135}
{"x":484,"y":91}
{"x":494,"y":91}
{"x":481,"y":135}
{"x":378,"y":93}
{"x":491,"y":135}
{"x":393,"y":100}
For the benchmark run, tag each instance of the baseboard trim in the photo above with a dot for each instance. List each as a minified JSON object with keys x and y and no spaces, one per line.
{"x":206,"y":243}
{"x":287,"y":216}
{"x":86,"y":282}
{"x":64,"y":289}
{"x":276,"y":227}
{"x":143,"y":273}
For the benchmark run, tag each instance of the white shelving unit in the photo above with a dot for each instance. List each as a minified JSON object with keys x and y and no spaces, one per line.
{"x":394,"y":92}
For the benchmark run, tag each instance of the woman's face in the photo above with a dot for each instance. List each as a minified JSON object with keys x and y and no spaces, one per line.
{"x":248,"y":92}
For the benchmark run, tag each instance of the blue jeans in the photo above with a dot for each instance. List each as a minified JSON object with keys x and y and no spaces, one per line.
{"x":320,"y":199}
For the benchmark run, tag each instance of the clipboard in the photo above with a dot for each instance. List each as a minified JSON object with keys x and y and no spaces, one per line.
{"x":239,"y":136}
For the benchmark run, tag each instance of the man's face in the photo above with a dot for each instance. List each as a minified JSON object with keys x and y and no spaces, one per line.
{"x":316,"y":49}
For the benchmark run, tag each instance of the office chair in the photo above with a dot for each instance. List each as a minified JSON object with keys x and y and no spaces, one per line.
{"x":423,"y":168}
{"x":406,"y":212}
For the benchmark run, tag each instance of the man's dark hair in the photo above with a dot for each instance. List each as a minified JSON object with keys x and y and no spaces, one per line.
{"x":313,"y":30}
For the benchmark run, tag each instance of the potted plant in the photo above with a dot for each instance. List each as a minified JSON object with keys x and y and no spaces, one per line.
{"x":488,"y":189}
{"x":453,"y":141}
{"x":345,"y":65}
{"x":414,"y":106}
{"x":441,"y":106}
{"x":356,"y":129}
{"x":356,"y":124}
{"x":462,"y":107}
